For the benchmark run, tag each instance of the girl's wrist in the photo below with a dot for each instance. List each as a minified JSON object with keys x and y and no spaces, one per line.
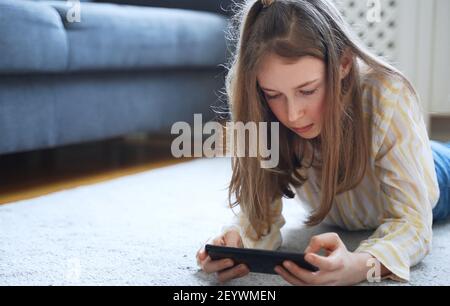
{"x":360,"y":263}
{"x":365,"y":265}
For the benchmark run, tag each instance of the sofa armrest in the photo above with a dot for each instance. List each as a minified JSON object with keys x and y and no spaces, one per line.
{"x":216,"y":6}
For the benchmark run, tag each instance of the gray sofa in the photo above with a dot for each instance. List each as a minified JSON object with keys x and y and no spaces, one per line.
{"x":122,"y":69}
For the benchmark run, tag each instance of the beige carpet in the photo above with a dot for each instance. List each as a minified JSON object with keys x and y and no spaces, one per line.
{"x":145,"y":229}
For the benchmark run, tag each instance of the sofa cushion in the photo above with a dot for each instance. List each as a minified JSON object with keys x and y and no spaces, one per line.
{"x":111,"y":37}
{"x":35,"y":36}
{"x":32,"y":38}
{"x":223,"y":7}
{"x":64,"y":0}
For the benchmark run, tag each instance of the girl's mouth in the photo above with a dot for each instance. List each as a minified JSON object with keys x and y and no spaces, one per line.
{"x":305,"y":129}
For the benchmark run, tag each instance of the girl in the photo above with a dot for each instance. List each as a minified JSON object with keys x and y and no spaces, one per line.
{"x":353,"y":145}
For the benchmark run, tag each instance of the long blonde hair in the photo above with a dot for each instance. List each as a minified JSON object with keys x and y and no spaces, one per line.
{"x":292,"y":29}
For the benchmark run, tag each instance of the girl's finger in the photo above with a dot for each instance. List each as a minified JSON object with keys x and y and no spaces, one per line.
{"x":289,"y":277}
{"x":211,"y":266}
{"x":219,"y":241}
{"x":233,"y":238}
{"x":321,"y":277}
{"x":201,"y":256}
{"x":235,"y":272}
{"x":203,"y":259}
{"x":201,"y":253}
{"x":330,"y":263}
{"x":329,"y":241}
{"x":303,"y":275}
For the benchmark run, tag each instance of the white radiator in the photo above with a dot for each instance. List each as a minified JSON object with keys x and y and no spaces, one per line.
{"x":414,"y":36}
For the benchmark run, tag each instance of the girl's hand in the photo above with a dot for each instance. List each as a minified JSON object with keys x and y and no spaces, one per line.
{"x":224,"y":267}
{"x":339,"y":267}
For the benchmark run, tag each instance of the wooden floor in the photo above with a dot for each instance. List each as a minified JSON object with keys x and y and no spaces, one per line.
{"x":440,"y":128}
{"x":32,"y":174}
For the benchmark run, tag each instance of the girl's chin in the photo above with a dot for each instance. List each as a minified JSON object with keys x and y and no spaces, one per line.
{"x":308,"y":135}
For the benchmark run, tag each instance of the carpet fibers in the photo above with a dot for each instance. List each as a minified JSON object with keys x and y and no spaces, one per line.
{"x":144,"y":229}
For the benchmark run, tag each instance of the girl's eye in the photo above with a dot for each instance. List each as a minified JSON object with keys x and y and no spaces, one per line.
{"x":272,"y":97}
{"x":309,"y":92}
{"x":303,"y":92}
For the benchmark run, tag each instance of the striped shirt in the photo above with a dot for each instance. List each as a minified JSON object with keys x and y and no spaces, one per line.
{"x":395,"y":198}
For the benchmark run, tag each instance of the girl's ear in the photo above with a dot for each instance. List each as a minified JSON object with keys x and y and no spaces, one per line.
{"x":346,"y":63}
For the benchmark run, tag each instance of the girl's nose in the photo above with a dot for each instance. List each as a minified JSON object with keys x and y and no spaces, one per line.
{"x":296,"y":110}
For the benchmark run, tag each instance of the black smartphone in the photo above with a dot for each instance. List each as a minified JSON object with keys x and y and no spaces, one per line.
{"x":258,"y":261}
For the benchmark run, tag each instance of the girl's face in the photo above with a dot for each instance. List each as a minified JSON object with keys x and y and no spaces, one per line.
{"x":295,"y":92}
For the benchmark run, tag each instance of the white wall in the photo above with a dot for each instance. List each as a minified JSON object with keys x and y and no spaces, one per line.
{"x":415,"y":38}
{"x":440,"y":89}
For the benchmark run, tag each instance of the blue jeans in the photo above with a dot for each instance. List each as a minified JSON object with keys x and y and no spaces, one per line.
{"x":441,"y":155}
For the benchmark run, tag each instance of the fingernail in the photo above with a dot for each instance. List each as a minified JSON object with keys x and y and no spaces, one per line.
{"x":242,"y":269}
{"x":229,"y":262}
{"x":287,"y":264}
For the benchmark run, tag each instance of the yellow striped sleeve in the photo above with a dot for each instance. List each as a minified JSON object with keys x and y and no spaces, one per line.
{"x":403,"y":166}
{"x":272,"y":240}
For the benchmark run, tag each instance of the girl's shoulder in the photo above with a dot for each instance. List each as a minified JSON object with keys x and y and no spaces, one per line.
{"x":379,"y":85}
{"x":388,"y":98}
{"x":382,"y":93}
